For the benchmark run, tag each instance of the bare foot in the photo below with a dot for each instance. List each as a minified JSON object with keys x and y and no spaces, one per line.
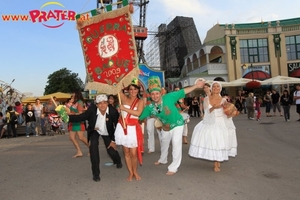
{"x":157,"y":163}
{"x":137,"y":177}
{"x":88,"y":154}
{"x":170,"y":173}
{"x":217,"y":166}
{"x":129,"y":178}
{"x":217,"y":169}
{"x":77,"y":155}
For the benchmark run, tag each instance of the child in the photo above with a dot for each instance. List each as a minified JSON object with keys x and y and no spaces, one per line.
{"x":30,"y":121}
{"x":257,"y":103}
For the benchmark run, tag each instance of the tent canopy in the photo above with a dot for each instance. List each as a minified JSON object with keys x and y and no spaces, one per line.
{"x":60,"y":96}
{"x":29,"y":100}
{"x":278,"y":80}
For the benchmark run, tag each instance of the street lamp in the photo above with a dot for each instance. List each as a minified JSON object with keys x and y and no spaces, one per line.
{"x":233,"y":53}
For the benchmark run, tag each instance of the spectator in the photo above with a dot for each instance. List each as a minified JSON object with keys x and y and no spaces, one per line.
{"x":250,"y":106}
{"x":276,"y":102}
{"x":286,"y":101}
{"x":38,"y":111}
{"x":297,"y":99}
{"x":30,"y":121}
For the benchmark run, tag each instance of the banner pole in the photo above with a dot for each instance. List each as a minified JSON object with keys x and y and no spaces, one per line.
{"x":119,"y":97}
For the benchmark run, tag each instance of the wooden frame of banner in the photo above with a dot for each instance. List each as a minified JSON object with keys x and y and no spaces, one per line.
{"x":119,"y":97}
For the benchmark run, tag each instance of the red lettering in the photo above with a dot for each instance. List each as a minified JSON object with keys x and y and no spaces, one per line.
{"x":58,"y":13}
{"x":43,"y":16}
{"x":5,"y":17}
{"x":34,"y":15}
{"x":64,"y":15}
{"x":71,"y":15}
{"x":51,"y":15}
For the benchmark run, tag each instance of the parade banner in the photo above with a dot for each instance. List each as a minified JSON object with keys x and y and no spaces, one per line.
{"x":109,"y":50}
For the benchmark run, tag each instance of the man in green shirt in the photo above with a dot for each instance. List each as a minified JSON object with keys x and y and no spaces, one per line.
{"x":164,"y":109}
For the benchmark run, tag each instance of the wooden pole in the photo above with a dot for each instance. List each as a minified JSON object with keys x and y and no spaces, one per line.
{"x":119,"y":97}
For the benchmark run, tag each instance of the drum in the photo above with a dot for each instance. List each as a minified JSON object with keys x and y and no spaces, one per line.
{"x":185,"y":117}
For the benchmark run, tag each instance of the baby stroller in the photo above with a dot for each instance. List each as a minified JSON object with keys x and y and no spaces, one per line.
{"x":54,"y":124}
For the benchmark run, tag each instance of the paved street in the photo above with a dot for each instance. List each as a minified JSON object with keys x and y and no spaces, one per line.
{"x":266,"y":167}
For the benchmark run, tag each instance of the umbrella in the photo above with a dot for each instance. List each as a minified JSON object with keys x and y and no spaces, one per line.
{"x":60,"y":96}
{"x":278,"y":80}
{"x":242,"y":81}
{"x":223,"y":83}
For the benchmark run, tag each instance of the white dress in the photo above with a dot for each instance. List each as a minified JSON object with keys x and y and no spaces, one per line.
{"x":129,"y":140}
{"x":214,"y":138}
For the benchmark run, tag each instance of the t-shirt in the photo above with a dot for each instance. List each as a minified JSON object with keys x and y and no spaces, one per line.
{"x":297,"y":94}
{"x":275,"y":98}
{"x":37,"y":110}
{"x":166,"y":111}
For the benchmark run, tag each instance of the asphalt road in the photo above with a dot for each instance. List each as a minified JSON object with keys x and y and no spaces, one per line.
{"x":266,"y":167}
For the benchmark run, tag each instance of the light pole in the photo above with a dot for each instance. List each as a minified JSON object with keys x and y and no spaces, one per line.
{"x":233,"y":53}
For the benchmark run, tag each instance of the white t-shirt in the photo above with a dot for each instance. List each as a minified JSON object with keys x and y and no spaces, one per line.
{"x":37,"y":110}
{"x":297,"y":94}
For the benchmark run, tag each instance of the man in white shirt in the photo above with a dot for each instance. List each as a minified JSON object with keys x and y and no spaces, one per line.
{"x":297,"y":99}
{"x":102,"y":119}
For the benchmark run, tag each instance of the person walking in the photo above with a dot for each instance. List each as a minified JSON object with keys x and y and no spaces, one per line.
{"x":250,"y":105}
{"x":268,"y":100}
{"x":276,"y":102}
{"x":286,"y":101}
{"x":297,"y":99}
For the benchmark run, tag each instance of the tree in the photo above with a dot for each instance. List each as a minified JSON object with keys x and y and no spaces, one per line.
{"x":63,"y":80}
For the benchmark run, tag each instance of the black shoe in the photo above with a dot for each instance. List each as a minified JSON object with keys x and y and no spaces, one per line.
{"x":119,"y":165}
{"x":96,"y":178}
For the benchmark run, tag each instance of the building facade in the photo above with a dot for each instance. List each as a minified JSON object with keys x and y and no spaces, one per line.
{"x":254,"y":50}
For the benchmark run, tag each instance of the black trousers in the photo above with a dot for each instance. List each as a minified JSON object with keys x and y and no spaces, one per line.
{"x":94,"y":152}
{"x":11,"y":127}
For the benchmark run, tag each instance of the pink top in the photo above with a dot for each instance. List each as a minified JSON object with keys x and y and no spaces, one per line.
{"x":19,"y":109}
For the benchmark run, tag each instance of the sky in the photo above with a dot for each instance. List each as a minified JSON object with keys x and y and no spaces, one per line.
{"x":30,"y":52}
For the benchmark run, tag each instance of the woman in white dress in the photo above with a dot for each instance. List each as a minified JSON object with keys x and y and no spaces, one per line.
{"x":129,"y":135}
{"x":214,"y":138}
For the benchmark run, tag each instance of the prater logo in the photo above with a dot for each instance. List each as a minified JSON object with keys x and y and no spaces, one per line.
{"x":58,"y":15}
{"x":51,"y":18}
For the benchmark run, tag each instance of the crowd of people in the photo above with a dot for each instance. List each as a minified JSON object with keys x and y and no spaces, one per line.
{"x":275,"y":104}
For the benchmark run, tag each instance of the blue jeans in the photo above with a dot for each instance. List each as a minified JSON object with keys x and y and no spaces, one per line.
{"x":30,"y":126}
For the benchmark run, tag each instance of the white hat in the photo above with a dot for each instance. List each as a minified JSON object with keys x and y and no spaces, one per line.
{"x":101,"y":97}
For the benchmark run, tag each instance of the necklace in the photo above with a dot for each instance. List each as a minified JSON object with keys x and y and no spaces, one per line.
{"x":159,"y":106}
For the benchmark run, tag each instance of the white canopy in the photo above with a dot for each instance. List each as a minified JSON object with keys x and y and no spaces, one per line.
{"x":278,"y":80}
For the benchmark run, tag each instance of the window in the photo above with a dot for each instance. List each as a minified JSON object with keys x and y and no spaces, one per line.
{"x":254,"y":51}
{"x":292,"y":47}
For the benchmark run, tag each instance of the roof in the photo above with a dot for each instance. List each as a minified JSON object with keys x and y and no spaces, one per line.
{"x":262,"y":24}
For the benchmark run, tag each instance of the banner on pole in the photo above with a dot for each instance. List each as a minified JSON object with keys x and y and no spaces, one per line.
{"x":109,"y":50}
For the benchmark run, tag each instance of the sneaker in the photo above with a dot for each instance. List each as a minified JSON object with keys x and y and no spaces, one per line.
{"x":36,"y":135}
{"x":288,"y":120}
{"x":251,"y":118}
{"x":27,"y":135}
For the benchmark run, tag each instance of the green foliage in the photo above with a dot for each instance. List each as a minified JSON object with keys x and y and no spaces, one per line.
{"x":63,"y":80}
